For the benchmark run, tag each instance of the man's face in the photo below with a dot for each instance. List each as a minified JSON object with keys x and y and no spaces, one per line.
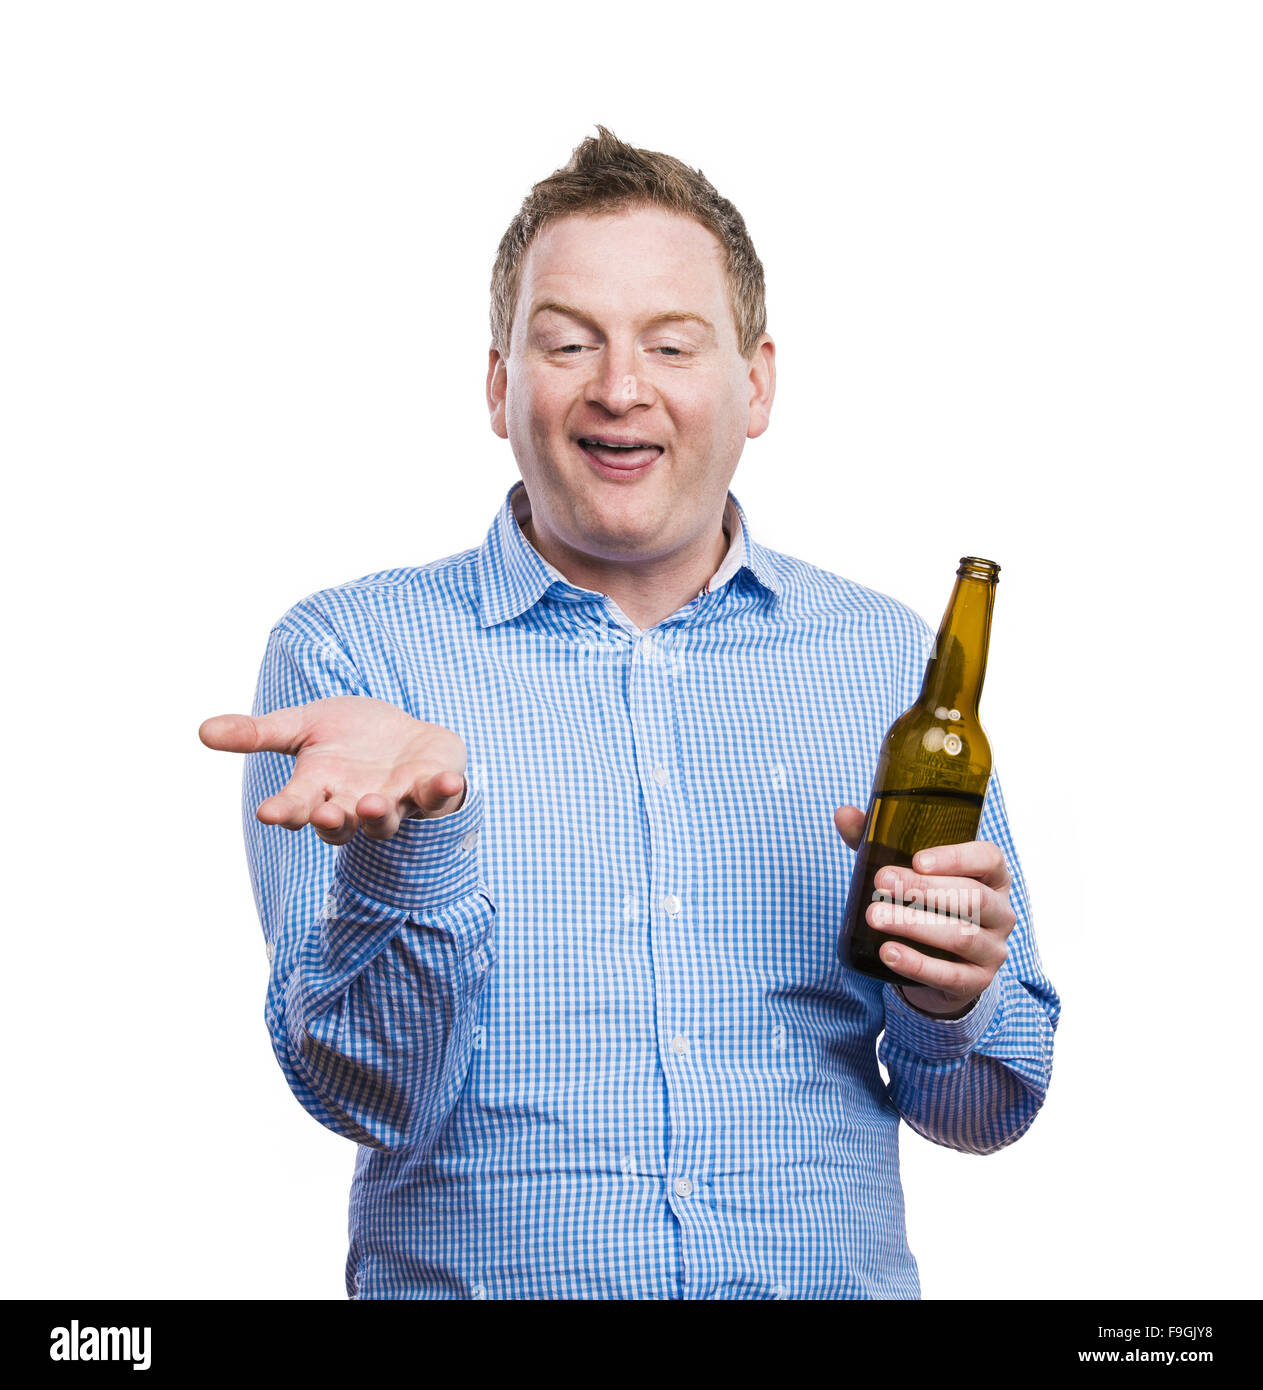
{"x":623,"y":333}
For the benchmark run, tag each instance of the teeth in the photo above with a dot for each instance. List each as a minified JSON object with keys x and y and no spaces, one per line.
{"x":600,"y":445}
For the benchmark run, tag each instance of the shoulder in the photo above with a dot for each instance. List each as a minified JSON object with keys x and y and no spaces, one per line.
{"x":405,"y":599}
{"x":807,"y":592}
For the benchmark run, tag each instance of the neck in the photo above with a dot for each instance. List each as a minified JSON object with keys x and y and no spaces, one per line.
{"x":646,"y":590}
{"x":954,"y":674}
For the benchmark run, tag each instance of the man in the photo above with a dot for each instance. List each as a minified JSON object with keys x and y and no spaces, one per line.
{"x":551,"y":887}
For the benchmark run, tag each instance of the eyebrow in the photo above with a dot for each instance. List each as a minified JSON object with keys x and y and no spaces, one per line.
{"x":670,"y":316}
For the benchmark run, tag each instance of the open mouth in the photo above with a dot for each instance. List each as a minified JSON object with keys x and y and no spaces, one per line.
{"x":620,"y":456}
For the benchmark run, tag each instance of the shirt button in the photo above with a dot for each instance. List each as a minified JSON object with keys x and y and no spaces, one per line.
{"x":271,"y":950}
{"x":671,"y":905}
{"x":661,"y":776}
{"x":470,"y":840}
{"x":682,"y":1187}
{"x":679,"y":1044}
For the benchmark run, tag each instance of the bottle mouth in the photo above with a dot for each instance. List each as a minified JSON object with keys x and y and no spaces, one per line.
{"x":971,"y":567}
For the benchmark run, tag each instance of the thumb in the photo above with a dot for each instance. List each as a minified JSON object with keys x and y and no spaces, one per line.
{"x":849,"y":821}
{"x":282,"y":731}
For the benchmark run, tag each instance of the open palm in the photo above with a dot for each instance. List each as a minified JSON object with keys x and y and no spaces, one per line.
{"x":358,"y":762}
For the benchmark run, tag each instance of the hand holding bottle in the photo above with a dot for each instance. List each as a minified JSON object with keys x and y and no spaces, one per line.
{"x":954,"y":898}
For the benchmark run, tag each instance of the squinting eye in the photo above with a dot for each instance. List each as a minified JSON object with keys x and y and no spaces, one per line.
{"x":670,"y":349}
{"x":576,"y":347}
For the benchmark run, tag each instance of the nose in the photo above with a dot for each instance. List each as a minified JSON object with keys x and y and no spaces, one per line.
{"x":615,"y":384}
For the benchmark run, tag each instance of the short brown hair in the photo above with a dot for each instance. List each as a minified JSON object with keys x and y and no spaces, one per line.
{"x":605,"y":175}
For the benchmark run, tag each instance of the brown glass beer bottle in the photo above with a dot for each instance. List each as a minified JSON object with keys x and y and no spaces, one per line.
{"x":933,"y":769}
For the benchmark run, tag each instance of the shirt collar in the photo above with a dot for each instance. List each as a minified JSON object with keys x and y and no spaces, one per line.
{"x":513,"y":575}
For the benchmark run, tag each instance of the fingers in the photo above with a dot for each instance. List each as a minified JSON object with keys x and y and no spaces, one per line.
{"x":336,"y":823}
{"x":380,"y":814}
{"x":326,"y":815}
{"x":955,"y":980}
{"x":978,"y":859}
{"x":964,"y":895}
{"x":958,"y":936}
{"x":968,"y":916}
{"x":430,"y":795}
{"x":294,"y":806}
{"x":849,"y":821}
{"x":282,"y":731}
{"x":969,"y":898}
{"x":329,"y":816}
{"x":333,"y":822}
{"x":336,"y":819}
{"x":438,"y":794}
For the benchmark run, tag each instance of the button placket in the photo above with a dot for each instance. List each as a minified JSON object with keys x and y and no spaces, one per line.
{"x":653,"y":704}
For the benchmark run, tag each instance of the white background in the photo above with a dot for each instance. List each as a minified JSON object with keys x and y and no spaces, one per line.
{"x":1013,"y":262}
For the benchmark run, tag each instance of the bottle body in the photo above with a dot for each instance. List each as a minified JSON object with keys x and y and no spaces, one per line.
{"x":932,"y":772}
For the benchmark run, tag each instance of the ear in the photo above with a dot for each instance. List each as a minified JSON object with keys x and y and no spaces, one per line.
{"x":762,"y":386}
{"x":497,"y":390}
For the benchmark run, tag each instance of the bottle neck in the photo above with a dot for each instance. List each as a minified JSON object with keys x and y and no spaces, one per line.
{"x":958,"y":664}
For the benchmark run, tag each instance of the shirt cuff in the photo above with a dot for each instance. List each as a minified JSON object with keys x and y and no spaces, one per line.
{"x":939,"y":1039}
{"x":425,"y":866}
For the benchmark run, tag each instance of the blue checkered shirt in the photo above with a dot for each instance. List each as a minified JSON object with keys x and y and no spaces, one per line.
{"x":590,"y":1031}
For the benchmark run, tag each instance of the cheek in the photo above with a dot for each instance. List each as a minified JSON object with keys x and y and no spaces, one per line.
{"x":540,"y":406}
{"x":537,"y":421}
{"x":524,"y":408}
{"x":702,"y":420}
